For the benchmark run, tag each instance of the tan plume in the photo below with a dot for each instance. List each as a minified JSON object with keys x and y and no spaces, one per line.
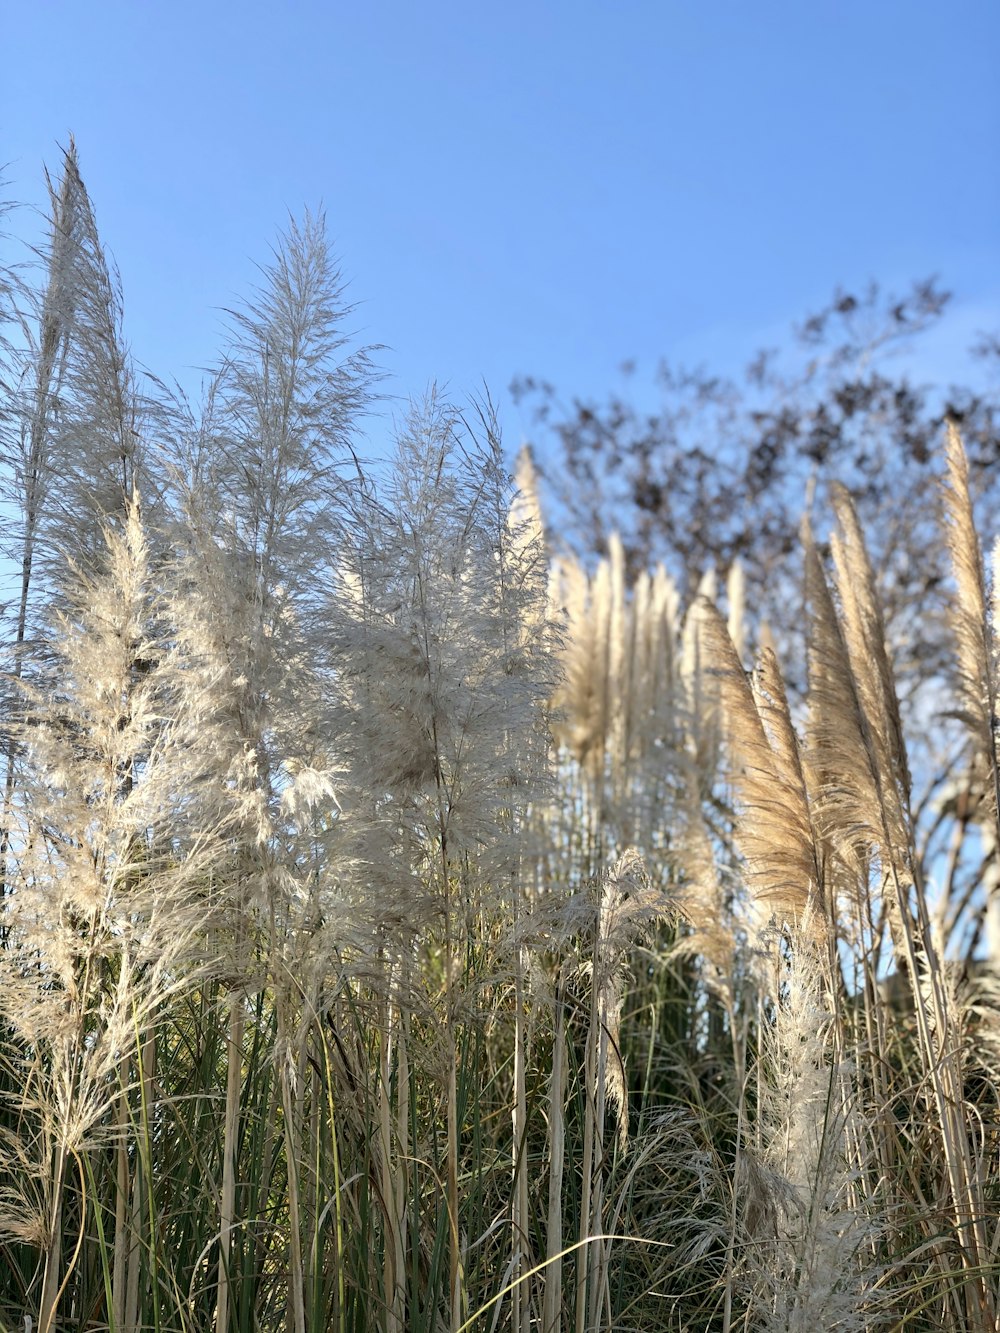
{"x":974,"y":641}
{"x":838,"y":766}
{"x":775,"y":835}
{"x":864,"y":633}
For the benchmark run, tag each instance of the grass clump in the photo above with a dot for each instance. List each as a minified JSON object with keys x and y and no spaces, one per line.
{"x":406,"y":929}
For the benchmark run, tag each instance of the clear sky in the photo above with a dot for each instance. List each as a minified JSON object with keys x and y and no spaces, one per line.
{"x":543,"y":188}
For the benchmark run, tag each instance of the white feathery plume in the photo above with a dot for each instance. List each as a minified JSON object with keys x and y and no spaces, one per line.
{"x":640,"y":696}
{"x":444,"y":663}
{"x":82,"y":419}
{"x":617,"y":706}
{"x":526,"y":518}
{"x":102,"y":919}
{"x":268,"y":501}
{"x":700,"y":692}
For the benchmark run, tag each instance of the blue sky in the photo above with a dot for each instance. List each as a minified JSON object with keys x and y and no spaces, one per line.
{"x":543,"y":188}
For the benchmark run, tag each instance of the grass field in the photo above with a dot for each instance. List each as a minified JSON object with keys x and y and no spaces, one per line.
{"x":406,"y":928}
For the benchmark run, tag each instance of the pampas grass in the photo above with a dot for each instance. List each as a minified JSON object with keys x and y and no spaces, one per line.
{"x":406,"y":929}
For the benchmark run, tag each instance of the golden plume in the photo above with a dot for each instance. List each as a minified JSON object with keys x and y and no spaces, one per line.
{"x":974,"y":636}
{"x":775,"y":835}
